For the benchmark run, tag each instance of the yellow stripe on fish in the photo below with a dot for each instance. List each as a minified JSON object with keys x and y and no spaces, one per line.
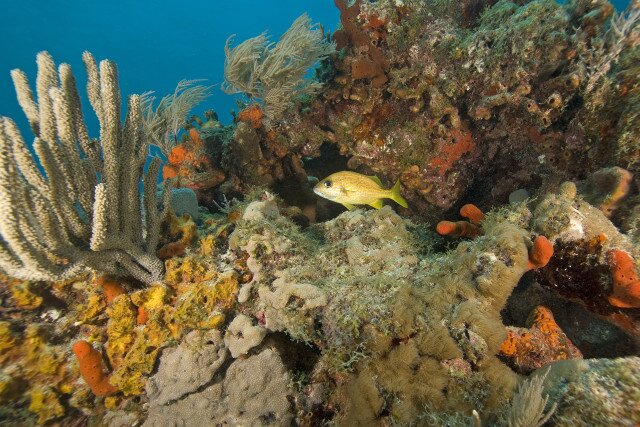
{"x":351,"y":188}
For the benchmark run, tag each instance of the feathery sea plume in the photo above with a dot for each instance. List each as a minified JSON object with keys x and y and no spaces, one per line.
{"x":273,"y":73}
{"x":606,"y":48}
{"x":163,"y":123}
{"x":528,"y":404}
{"x":82,"y":211}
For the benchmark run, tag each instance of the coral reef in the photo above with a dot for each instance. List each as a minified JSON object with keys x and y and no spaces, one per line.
{"x":477,"y":100}
{"x":389,"y":327}
{"x":242,"y":298}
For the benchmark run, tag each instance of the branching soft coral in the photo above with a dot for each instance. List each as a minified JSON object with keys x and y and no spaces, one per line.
{"x":272,"y":73}
{"x":85,"y":212}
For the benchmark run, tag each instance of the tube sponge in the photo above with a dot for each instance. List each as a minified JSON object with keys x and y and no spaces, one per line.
{"x":90,"y":362}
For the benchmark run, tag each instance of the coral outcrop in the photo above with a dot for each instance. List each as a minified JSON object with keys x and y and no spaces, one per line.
{"x":585,"y":393}
{"x":542,"y":343}
{"x":186,"y":368}
{"x":255,"y":303}
{"x":253,"y":392}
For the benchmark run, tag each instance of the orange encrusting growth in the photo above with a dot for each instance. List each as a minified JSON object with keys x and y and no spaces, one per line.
{"x":462,"y":143}
{"x":626,"y":285}
{"x":185,"y":156}
{"x":252,"y":115}
{"x":194,"y":135}
{"x":540,"y":253}
{"x":110,"y":287}
{"x":90,"y":362}
{"x":542,"y":343}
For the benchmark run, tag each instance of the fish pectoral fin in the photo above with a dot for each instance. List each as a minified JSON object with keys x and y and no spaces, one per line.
{"x":375,"y":179}
{"x":348,"y":206}
{"x":377,"y":204}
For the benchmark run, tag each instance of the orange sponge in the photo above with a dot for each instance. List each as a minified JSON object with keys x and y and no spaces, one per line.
{"x":472,"y":213}
{"x":463,"y":228}
{"x":626,"y":286}
{"x":90,"y":362}
{"x":541,"y":343}
{"x":111,"y":288}
{"x":252,"y":115}
{"x":458,"y":229}
{"x":540,"y":253}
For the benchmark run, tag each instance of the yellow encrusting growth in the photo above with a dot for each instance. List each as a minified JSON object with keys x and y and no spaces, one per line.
{"x":24,"y":295}
{"x":45,"y":404}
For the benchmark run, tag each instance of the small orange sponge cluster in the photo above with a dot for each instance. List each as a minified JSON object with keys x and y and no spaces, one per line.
{"x":111,"y":288}
{"x":90,"y":362}
{"x":540,"y":253}
{"x":626,"y":285}
{"x":252,"y":115}
{"x":186,"y":156}
{"x":469,"y":228}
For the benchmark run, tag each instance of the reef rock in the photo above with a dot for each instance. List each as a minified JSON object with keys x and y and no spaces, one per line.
{"x":595,"y":392}
{"x":186,"y":368}
{"x":253,"y":392}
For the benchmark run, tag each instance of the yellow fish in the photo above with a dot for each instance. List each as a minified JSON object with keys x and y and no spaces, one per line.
{"x":351,"y":188}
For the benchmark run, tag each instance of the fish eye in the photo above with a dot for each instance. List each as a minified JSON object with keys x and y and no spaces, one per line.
{"x":327,"y":183}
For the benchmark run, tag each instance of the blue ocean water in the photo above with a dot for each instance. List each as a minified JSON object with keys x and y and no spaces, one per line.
{"x":155,"y":44}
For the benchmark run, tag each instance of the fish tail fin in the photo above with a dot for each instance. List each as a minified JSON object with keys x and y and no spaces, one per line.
{"x":396,"y":196}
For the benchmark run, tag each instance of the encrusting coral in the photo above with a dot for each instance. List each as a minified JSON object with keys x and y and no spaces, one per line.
{"x":86,"y":212}
{"x":538,"y":345}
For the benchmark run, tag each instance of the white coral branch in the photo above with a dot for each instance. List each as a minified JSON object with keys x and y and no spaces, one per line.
{"x":83,"y":213}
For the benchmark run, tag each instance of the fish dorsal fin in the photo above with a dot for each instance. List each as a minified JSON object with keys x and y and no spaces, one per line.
{"x":377,"y":204}
{"x":349,"y":206}
{"x":375,"y":179}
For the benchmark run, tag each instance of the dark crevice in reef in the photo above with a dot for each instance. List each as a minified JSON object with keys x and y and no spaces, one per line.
{"x":329,"y":161}
{"x":297,"y":356}
{"x":594,"y":337}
